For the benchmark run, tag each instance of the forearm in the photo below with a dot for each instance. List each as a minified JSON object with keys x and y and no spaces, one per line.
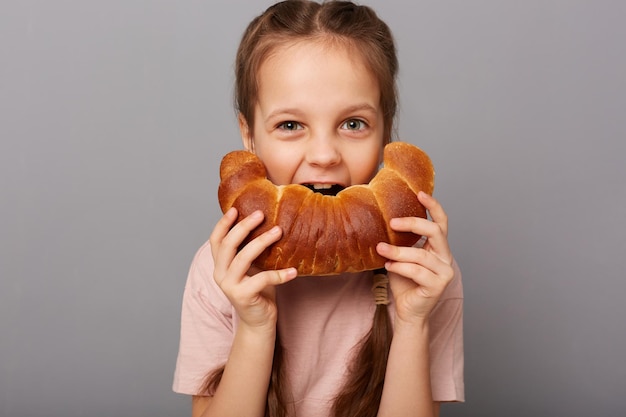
{"x":407,"y":390}
{"x":243,"y":388}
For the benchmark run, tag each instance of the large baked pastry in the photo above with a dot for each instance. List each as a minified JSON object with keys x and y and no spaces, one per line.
{"x":329,"y":234}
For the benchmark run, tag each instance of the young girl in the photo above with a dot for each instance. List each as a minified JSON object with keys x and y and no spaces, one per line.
{"x":315,"y":91}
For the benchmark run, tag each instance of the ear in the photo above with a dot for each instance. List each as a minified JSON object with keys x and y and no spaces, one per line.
{"x":246,"y":134}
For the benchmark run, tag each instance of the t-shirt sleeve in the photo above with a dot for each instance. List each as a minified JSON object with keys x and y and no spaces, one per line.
{"x":446,"y":344}
{"x":207,"y":326}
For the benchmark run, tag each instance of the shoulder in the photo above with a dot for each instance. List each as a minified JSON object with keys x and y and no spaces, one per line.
{"x":454,"y":290}
{"x":200,"y":283}
{"x":206,"y":325}
{"x":446,"y":343}
{"x":202,"y":267}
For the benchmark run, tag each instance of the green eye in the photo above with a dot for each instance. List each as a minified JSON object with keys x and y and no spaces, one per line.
{"x":353,"y":124}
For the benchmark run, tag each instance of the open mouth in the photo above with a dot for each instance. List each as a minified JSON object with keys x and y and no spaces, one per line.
{"x":325,"y":189}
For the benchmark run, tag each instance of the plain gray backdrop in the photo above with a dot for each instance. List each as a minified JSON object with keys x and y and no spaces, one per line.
{"x":114,"y":116}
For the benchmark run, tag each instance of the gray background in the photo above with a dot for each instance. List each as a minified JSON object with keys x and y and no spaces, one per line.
{"x":115,"y":114}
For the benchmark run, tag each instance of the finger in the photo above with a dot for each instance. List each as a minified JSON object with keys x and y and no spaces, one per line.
{"x":436,"y":239}
{"x":410,"y":275}
{"x":243,"y":260}
{"x":415,"y":225}
{"x":410,"y":255}
{"x":238,"y":233}
{"x":436,"y":211}
{"x":224,"y":247}
{"x":259,"y":282}
{"x":432,"y":282}
{"x":221,"y":229}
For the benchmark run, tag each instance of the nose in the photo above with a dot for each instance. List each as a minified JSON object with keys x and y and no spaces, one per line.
{"x":323,"y":152}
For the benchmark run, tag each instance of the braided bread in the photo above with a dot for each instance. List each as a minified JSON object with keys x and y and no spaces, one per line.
{"x":322,"y":234}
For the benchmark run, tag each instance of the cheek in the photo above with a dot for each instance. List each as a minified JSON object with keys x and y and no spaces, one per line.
{"x":281,"y":167}
{"x":278,"y":160}
{"x":364,"y":169}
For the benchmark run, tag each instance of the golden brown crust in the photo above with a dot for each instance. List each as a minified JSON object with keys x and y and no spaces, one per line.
{"x":326,"y":235}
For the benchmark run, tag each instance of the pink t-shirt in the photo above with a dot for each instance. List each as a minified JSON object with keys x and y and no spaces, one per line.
{"x":320,"y":321}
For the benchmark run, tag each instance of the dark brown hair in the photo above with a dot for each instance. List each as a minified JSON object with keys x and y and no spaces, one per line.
{"x":358,"y":28}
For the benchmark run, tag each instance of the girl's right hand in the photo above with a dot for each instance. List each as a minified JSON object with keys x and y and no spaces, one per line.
{"x":252,"y":294}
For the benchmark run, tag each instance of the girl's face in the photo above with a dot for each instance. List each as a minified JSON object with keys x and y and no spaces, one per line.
{"x":318,"y":119}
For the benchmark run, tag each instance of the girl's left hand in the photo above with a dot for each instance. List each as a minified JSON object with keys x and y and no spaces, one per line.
{"x":418,"y":276}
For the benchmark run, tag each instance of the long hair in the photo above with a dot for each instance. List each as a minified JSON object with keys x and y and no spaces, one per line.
{"x":278,"y":400}
{"x":363,"y":390}
{"x":359,"y":29}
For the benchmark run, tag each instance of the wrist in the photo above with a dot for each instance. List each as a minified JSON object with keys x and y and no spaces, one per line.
{"x":254,"y":344}
{"x":264,"y":332}
{"x":416,"y":326}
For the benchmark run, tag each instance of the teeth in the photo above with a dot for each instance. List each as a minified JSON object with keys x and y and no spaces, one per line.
{"x":322,"y":186}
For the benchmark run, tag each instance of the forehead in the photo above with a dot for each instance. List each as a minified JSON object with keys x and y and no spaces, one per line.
{"x":314,"y":65}
{"x":321,"y":45}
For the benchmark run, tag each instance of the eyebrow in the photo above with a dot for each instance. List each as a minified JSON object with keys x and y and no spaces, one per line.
{"x":277,"y":112}
{"x":297,"y":112}
{"x":358,"y":107}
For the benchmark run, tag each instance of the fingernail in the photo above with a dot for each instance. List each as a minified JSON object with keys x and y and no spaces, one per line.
{"x":290,"y":273}
{"x":275,"y":230}
{"x":257,"y":214}
{"x":384,"y":249}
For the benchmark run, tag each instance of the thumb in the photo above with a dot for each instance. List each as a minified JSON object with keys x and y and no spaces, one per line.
{"x":272,"y":278}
